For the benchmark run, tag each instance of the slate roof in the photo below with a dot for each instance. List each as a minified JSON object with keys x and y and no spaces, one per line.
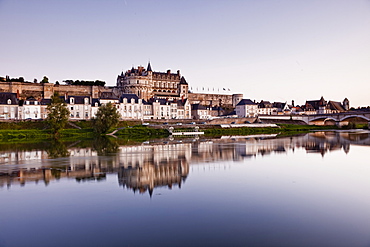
{"x":5,"y":96}
{"x":183,"y":81}
{"x":337,"y":106}
{"x":198,"y":107}
{"x":77,"y":99}
{"x":95,"y":100}
{"x":246,"y":102}
{"x":129,"y":96}
{"x":265,"y":104}
{"x":149,"y":67}
{"x":315,"y":104}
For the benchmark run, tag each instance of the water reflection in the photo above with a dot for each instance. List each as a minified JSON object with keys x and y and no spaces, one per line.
{"x":142,"y":168}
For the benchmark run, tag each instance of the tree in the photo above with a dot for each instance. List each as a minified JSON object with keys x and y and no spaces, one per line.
{"x":44,"y":80}
{"x":58,"y":114}
{"x":106,"y":117}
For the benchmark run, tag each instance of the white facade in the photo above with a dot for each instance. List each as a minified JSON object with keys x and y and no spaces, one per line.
{"x":31,"y":109}
{"x":246,"y":108}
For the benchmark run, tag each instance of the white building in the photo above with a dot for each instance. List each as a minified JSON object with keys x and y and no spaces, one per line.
{"x":246,"y":108}
{"x":8,"y":106}
{"x":79,"y":107}
{"x":29,"y":109}
{"x":200,"y":111}
{"x":131,"y":107}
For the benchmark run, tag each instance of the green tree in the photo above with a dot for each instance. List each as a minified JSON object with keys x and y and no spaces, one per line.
{"x":106,"y":117}
{"x":44,"y":80}
{"x":58,"y":114}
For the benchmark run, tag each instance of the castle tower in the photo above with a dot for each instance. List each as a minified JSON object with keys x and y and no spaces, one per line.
{"x":346,"y":104}
{"x":236,"y":98}
{"x":183,"y":87}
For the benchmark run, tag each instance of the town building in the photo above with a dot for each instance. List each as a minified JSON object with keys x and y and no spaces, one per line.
{"x":8,"y":106}
{"x":246,"y":108}
{"x":322,"y":106}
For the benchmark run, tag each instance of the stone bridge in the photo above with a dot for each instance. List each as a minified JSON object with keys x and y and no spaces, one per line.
{"x":338,"y":119}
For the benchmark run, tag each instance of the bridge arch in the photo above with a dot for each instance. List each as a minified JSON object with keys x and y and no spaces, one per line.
{"x":354,"y":116}
{"x":324,"y":120}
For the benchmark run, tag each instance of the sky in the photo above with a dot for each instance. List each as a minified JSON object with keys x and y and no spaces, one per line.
{"x":275,"y":50}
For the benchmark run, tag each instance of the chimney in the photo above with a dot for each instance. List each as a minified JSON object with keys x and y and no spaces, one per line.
{"x":292,"y":102}
{"x":168,"y":71}
{"x":178,"y":72}
{"x":17,"y":94}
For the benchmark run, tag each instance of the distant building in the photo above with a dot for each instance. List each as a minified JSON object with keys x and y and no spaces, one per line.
{"x":246,"y":108}
{"x":322,"y":106}
{"x":200,"y":111}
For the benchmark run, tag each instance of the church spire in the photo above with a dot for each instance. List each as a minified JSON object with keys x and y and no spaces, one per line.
{"x":149,"y":67}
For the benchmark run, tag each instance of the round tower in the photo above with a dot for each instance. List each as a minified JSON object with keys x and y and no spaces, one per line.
{"x":236,"y":98}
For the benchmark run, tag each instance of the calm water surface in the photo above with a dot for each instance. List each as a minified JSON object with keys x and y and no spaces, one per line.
{"x":309,"y":190}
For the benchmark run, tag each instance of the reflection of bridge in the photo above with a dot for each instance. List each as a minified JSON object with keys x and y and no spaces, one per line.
{"x":338,"y":119}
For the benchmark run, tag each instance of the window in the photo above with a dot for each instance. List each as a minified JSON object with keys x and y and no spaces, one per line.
{"x":71,"y":108}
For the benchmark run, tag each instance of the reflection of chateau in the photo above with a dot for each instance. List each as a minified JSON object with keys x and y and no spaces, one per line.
{"x":147,"y":177}
{"x":143,"y":168}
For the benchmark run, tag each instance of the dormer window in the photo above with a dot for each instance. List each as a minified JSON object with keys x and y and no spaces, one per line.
{"x":72,"y":100}
{"x":96,"y":103}
{"x":9,"y":101}
{"x":36,"y":102}
{"x":86,"y":101}
{"x":27,"y":102}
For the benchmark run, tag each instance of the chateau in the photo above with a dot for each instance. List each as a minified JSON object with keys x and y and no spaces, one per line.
{"x":147,"y":84}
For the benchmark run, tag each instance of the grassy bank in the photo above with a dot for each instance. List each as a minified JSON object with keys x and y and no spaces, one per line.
{"x":282,"y":128}
{"x":29,"y":131}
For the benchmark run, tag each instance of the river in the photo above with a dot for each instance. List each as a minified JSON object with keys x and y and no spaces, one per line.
{"x":306,"y":190}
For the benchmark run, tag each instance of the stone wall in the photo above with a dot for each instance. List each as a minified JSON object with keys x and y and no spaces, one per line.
{"x":223,"y":100}
{"x":38,"y":90}
{"x":210,"y":99}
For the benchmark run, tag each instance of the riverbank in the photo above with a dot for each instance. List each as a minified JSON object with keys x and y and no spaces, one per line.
{"x":35,"y":131}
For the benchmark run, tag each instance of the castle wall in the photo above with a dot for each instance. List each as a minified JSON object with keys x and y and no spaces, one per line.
{"x":38,"y":90}
{"x":214,"y":99}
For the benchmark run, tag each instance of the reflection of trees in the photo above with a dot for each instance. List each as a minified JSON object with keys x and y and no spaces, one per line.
{"x":104,"y":145}
{"x":57,"y":149}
